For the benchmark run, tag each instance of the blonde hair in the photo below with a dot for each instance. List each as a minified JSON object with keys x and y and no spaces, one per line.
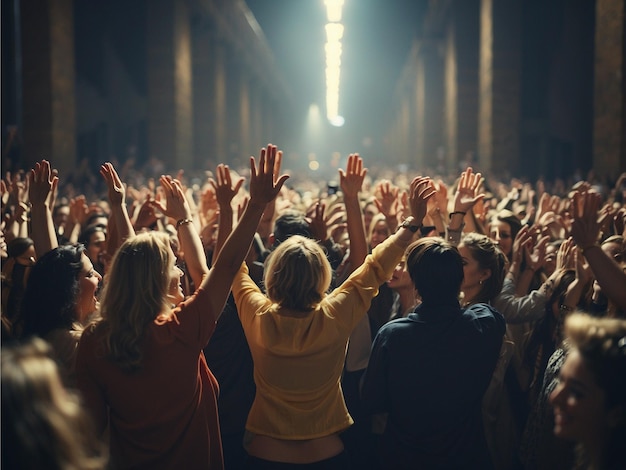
{"x":135,"y":293}
{"x":297,"y":274}
{"x":43,"y":424}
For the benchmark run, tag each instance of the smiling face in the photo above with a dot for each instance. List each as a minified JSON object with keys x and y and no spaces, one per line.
{"x":88,"y":280}
{"x":579,"y":404}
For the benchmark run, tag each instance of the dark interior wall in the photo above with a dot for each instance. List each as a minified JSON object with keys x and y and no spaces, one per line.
{"x":111,"y":79}
{"x":557,"y":87}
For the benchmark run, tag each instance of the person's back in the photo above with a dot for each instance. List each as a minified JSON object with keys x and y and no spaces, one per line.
{"x":429,"y":371}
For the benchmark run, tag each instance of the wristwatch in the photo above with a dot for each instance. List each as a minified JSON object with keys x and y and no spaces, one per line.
{"x":407,"y":223}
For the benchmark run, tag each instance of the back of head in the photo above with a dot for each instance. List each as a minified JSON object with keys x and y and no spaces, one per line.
{"x":51,"y":291}
{"x":43,"y":425}
{"x":489,"y":256}
{"x":602,"y":345}
{"x":297,"y":274}
{"x":436,"y":269}
{"x":135,"y":293}
{"x":288,"y":224}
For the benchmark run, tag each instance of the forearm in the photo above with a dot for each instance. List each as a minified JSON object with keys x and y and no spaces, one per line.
{"x":238,"y":243}
{"x":356,"y":232}
{"x":608,"y":274}
{"x":224,"y":227}
{"x":191,"y":245}
{"x":43,"y":234}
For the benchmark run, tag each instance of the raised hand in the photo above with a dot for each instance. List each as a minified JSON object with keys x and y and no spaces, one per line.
{"x":387,"y":203}
{"x":117,"y":192}
{"x":585,"y":227}
{"x":467,"y":193}
{"x":351,"y":181}
{"x":224,"y":189}
{"x":265,"y":183}
{"x":42,"y":184}
{"x":317,"y":223}
{"x":176,"y":205}
{"x":422,"y":189}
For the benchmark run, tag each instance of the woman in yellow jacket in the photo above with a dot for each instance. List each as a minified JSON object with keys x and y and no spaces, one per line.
{"x":298,"y":334}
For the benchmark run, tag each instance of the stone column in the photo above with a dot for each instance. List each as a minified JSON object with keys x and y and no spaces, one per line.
{"x":203,"y":97}
{"x":499,"y":113}
{"x":609,"y":123}
{"x":170,"y":112}
{"x":429,"y":100}
{"x":48,"y":102}
{"x":245,"y":116}
{"x":461,"y":82}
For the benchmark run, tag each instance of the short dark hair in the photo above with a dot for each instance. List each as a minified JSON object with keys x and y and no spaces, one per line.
{"x":288,"y":224}
{"x":436,"y":269}
{"x":85,"y":236}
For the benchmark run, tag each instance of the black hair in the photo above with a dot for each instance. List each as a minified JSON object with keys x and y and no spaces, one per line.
{"x":18,"y":246}
{"x":51,"y":292}
{"x":436,"y":269}
{"x":290,"y":223}
{"x":85,"y":235}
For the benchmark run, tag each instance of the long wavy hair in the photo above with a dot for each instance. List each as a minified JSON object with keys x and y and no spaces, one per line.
{"x":51,"y":293}
{"x":43,"y":424}
{"x":135,"y":293}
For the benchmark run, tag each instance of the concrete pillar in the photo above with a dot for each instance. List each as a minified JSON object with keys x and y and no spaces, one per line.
{"x":220,"y":112}
{"x":404,"y":142}
{"x":609,"y":126}
{"x":429,"y":101}
{"x":170,"y":112}
{"x":256,"y":112}
{"x":48,"y":101}
{"x":499,"y":86}
{"x":461,"y":82}
{"x":245,"y":116}
{"x":203,"y":98}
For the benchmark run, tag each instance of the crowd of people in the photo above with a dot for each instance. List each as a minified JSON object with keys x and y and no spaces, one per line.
{"x":256,"y":320}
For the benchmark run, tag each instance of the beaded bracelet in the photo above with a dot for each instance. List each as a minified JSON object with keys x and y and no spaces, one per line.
{"x":183,"y":222}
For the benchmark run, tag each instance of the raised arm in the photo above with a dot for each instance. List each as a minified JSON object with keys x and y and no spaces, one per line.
{"x":177,"y":207}
{"x":585,"y":231}
{"x":224,"y":192}
{"x":120,"y":221}
{"x":41,"y":188}
{"x":264,"y":187}
{"x":351,"y":182}
{"x":466,"y":196}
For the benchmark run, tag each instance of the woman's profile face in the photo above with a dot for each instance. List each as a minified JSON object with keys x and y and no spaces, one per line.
{"x":473,"y":274}
{"x":175,"y":292}
{"x":500,"y":232}
{"x":88,"y":281}
{"x":380,"y":233}
{"x":578,"y":403}
{"x":400,"y":277}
